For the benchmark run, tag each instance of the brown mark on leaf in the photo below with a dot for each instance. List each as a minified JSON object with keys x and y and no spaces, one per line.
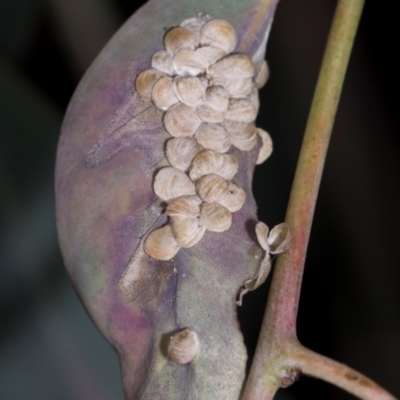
{"x":144,"y":277}
{"x":138,"y":282}
{"x":165,"y":339}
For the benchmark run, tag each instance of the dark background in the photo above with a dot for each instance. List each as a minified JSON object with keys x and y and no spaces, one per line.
{"x":349,"y":309}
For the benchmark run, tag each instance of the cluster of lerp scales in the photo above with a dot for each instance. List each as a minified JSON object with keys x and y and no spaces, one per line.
{"x":210,"y":98}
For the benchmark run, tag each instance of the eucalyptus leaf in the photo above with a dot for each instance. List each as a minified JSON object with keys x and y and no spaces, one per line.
{"x":112,"y":144}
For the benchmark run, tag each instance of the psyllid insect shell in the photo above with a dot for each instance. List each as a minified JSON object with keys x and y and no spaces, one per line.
{"x":171,"y":182}
{"x":146,"y":80}
{"x":161,"y":244}
{"x":215,"y":217}
{"x":181,"y":151}
{"x":183,"y":346}
{"x":218,"y":33}
{"x":181,"y":120}
{"x":180,"y":38}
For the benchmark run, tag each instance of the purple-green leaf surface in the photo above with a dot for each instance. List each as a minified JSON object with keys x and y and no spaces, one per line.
{"x":112,"y":144}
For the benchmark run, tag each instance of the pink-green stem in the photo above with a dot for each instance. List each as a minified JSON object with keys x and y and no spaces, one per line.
{"x":278,"y":349}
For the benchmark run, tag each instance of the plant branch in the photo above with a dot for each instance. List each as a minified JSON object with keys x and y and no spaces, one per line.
{"x":300,"y":211}
{"x":278,"y":331}
{"x":318,"y":366}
